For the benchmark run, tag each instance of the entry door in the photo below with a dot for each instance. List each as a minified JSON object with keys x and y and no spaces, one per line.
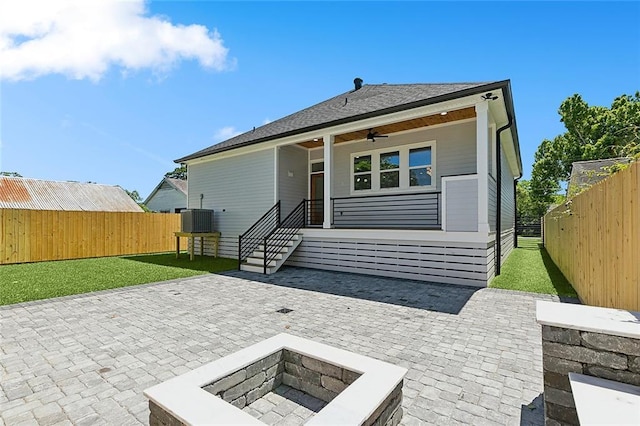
{"x":316,"y":213}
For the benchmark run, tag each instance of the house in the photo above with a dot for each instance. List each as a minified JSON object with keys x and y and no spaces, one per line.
{"x":402,"y":180}
{"x":584,"y":174}
{"x":170,"y":196}
{"x":36,"y":194}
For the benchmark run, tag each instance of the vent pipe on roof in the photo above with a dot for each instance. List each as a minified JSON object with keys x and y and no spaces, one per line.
{"x":358,"y":83}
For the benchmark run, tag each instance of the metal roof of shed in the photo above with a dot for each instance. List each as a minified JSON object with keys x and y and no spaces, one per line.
{"x":35,"y":194}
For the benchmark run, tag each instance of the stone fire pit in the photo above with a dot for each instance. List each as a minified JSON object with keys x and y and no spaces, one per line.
{"x":353,"y":389}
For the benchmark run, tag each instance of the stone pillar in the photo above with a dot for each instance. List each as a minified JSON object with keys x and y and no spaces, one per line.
{"x":586,"y":340}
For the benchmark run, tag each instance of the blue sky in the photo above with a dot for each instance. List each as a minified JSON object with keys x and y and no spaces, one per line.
{"x":176,"y":77}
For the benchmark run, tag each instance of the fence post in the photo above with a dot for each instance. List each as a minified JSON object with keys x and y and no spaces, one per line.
{"x":239,"y":252}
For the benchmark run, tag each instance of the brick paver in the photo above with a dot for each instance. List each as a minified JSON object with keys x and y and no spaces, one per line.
{"x":474,"y":356}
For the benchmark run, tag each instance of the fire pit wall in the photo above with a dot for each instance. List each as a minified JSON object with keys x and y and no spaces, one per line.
{"x":587,"y":340}
{"x":317,"y":378}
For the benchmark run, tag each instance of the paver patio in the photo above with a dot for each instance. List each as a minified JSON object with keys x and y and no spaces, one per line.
{"x":474,"y":356}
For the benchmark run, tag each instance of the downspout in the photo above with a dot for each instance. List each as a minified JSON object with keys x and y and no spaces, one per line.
{"x":515,"y":209}
{"x":499,"y":194}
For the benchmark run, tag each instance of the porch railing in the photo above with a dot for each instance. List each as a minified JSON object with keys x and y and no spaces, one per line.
{"x":315,"y":212}
{"x":282,"y":235}
{"x":388,"y":211}
{"x":250,"y":240}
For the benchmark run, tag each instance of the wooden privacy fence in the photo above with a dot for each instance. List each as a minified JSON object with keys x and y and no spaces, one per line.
{"x":595,"y":241}
{"x":40,"y":235}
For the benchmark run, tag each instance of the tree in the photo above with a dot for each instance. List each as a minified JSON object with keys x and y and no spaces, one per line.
{"x":528,"y":206}
{"x":10,"y":174}
{"x":525,"y":205}
{"x":135,"y":196}
{"x":178,"y":173}
{"x":592,"y":133}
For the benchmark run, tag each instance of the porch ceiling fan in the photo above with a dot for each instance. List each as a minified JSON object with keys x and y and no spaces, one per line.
{"x":372,"y":135}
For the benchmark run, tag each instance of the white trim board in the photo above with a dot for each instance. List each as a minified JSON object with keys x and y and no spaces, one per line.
{"x":400,"y":235}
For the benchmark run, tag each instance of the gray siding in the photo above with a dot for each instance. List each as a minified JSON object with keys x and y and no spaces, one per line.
{"x":240,"y":189}
{"x":455,"y":153}
{"x":507,"y":221}
{"x":292,"y":177}
{"x":444,"y":262}
{"x":506,"y":244}
{"x":461,"y":198}
{"x":167,"y":198}
{"x":316,"y":154}
{"x":491,"y":262}
{"x":492,"y":196}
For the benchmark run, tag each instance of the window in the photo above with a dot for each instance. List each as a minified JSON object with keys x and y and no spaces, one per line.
{"x":406,"y":168}
{"x":317,"y":167}
{"x":420,"y":167}
{"x":390,"y":170}
{"x":362,"y":172}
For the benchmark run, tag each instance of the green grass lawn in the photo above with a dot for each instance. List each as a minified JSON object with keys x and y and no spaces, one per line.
{"x":43,"y":280}
{"x":529,"y":268}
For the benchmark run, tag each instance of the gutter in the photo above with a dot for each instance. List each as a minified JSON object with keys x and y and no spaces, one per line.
{"x":504,"y":85}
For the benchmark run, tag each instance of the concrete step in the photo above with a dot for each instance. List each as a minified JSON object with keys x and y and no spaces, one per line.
{"x":258,"y":269}
{"x":259,"y":261}
{"x":287,"y":244}
{"x":280,"y":255}
{"x":255,"y":262}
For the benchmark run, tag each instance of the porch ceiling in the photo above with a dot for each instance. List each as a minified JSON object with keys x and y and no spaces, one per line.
{"x":416,"y":123}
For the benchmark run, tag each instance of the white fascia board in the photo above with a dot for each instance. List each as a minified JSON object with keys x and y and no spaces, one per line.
{"x":399,"y":235}
{"x":381,"y":120}
{"x":506,"y":140}
{"x":498,"y":115}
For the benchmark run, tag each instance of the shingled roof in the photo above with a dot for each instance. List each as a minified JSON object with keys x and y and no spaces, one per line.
{"x":369,"y":101}
{"x":177,"y":184}
{"x":587,"y":173}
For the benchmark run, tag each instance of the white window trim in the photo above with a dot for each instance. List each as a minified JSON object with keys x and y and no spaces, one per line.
{"x":311,"y":173}
{"x":398,"y":169}
{"x":404,"y":169}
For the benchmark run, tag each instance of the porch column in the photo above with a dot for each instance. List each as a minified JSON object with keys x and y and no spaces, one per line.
{"x":482,"y":164}
{"x":328,"y":171}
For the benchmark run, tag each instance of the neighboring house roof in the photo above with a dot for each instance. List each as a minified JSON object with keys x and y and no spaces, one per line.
{"x":178,"y":184}
{"x":35,"y":194}
{"x":587,"y":173}
{"x":369,"y":101}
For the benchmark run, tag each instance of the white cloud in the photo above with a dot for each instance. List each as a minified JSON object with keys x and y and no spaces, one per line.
{"x":84,"y":38}
{"x":266,"y":121}
{"x":225,"y":133}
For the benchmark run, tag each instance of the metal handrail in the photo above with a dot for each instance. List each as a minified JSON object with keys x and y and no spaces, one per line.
{"x":279,"y":237}
{"x":254,"y":235}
